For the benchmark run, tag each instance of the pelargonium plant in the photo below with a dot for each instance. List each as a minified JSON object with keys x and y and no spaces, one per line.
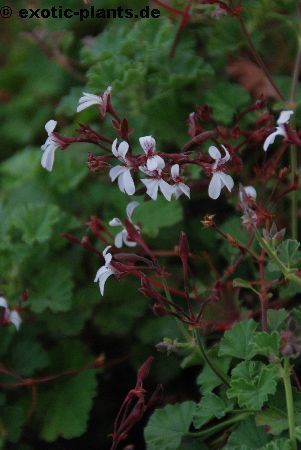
{"x":249,"y":383}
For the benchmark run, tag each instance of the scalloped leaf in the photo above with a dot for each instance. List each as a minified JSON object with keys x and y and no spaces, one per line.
{"x":237,"y":342}
{"x":167,"y":426}
{"x":251,"y":384}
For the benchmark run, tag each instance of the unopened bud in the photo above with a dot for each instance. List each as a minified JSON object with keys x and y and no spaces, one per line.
{"x":208,"y":220}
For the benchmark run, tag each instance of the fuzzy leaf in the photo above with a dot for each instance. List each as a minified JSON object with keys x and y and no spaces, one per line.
{"x":237,"y":342}
{"x":239,"y":282}
{"x":279,"y":444}
{"x":68,"y":406}
{"x":13,"y":420}
{"x":251,"y":383}
{"x":35,"y":221}
{"x":52,"y":289}
{"x":64,"y":408}
{"x":288,"y":252}
{"x":209,"y":407}
{"x":266,"y":344}
{"x":167,"y":426}
{"x":274,"y":419}
{"x":247,"y":436}
{"x":28,"y":356}
{"x":276,"y":318}
{"x":156,"y":215}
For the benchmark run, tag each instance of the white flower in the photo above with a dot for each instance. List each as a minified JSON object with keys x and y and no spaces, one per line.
{"x":179,"y":187}
{"x":90,"y":99}
{"x":50,"y":146}
{"x":219,"y":178}
{"x":249,"y":217}
{"x":122,"y":237}
{"x":105,"y":271}
{"x":123,"y":173}
{"x":280,"y":130}
{"x":154,"y":161}
{"x":249,"y":191}
{"x":156,"y":182}
{"x":9,"y":316}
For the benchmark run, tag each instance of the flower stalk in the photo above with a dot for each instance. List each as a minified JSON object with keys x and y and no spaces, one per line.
{"x":289,"y":403}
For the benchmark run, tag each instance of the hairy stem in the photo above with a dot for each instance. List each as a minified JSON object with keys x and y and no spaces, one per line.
{"x":221,"y":375}
{"x":209,"y":431}
{"x":289,"y":403}
{"x":180,"y":325}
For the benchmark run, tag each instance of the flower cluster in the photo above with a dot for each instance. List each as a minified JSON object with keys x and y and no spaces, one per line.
{"x":161,"y":172}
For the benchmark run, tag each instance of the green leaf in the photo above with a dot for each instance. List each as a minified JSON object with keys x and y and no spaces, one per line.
{"x":239,"y":282}
{"x":68,"y":407}
{"x":167,"y":426}
{"x":35,"y":221}
{"x":64,"y":407}
{"x":298,"y":433}
{"x":51,"y":289}
{"x":156,"y":215}
{"x":227,"y":99}
{"x":276,"y":318}
{"x":274,"y":419}
{"x":208,"y":380}
{"x":279,"y":444}
{"x":251,"y":383}
{"x":288,"y":252}
{"x":209,"y":407}
{"x":247,"y":436}
{"x":266,"y":344}
{"x":13,"y":419}
{"x":114,"y":315}
{"x":28,"y":356}
{"x":237,"y":342}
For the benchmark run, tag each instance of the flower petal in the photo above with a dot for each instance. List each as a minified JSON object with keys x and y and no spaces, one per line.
{"x":15,"y":319}
{"x":116,"y":172}
{"x":155,"y":162}
{"x":50,"y":126}
{"x":114,"y":148}
{"x":226,"y":157}
{"x":147,"y":143}
{"x":127,"y":242}
{"x":123,"y":149}
{"x":185,"y":189}
{"x":175,"y":170}
{"x":166,"y":189}
{"x":86,"y":104}
{"x":215,"y":186}
{"x":227,"y":180}
{"x":214,"y":153}
{"x":115,"y":222}
{"x":48,"y":158}
{"x":103,"y":278}
{"x":250,"y":191}
{"x":119,"y":239}
{"x":271,"y":139}
{"x":3,"y":302}
{"x":151,"y":187}
{"x":284,"y":117}
{"x":100,"y":271}
{"x":128,"y":183}
{"x":105,"y":252}
{"x":130,"y":209}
